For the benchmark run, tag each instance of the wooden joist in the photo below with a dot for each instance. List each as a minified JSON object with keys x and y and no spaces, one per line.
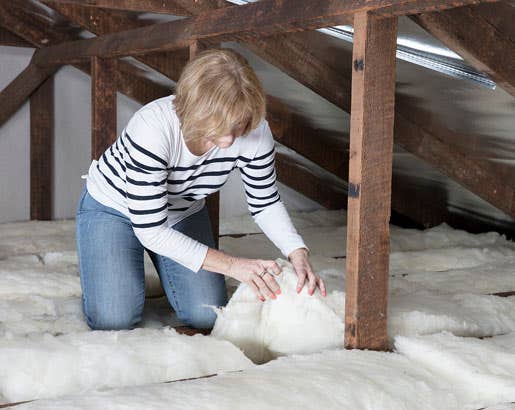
{"x":150,"y":6}
{"x":103,"y":104}
{"x":291,"y":130}
{"x":370,"y":178}
{"x":303,"y":180}
{"x":42,"y":151}
{"x":9,"y":39}
{"x":469,"y":32}
{"x":265,"y":18}
{"x":102,"y":22}
{"x":16,"y":93}
{"x":131,"y":81}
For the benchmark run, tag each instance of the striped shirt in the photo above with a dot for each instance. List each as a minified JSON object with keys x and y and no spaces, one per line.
{"x":150,"y":175}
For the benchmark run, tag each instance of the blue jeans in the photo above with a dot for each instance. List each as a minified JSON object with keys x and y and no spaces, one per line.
{"x":112,"y":270}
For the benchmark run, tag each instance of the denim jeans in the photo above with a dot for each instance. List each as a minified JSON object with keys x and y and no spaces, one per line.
{"x":112,"y":270}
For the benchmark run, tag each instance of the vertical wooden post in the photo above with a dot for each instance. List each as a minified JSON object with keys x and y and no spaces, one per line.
{"x":212,"y":201}
{"x":103,"y":104}
{"x":42,"y":150}
{"x":370,"y":177}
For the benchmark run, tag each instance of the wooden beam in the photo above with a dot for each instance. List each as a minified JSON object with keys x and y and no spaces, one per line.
{"x":327,"y":193}
{"x":328,"y":151}
{"x":16,"y":93}
{"x":102,"y":22}
{"x":149,"y":6}
{"x":132,"y":81}
{"x":265,"y":18}
{"x":103,"y":104}
{"x":12,"y":40}
{"x":42,"y":151}
{"x":370,"y":179}
{"x":469,"y":33}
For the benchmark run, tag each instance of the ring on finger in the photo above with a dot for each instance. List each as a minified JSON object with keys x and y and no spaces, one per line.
{"x":263,"y":273}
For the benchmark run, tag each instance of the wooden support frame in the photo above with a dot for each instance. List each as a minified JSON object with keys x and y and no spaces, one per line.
{"x":370,"y":178}
{"x":265,"y":18}
{"x":16,"y":93}
{"x":148,"y":6}
{"x":42,"y":150}
{"x":103,"y":104}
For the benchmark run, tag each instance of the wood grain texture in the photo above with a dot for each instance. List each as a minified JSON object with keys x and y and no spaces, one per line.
{"x":102,"y":22}
{"x":370,"y":179}
{"x":12,"y":40}
{"x":151,"y":6}
{"x":472,"y":33}
{"x":17,"y":91}
{"x":303,"y":180}
{"x":103,"y":104}
{"x":263,"y":18}
{"x":42,"y":151}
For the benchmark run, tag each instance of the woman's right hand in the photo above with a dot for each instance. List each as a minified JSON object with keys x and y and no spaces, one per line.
{"x":248,"y":271}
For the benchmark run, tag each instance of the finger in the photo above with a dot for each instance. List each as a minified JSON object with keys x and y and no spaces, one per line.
{"x":273,"y":267}
{"x":271,"y":282}
{"x":255,"y":289}
{"x":263,"y":287}
{"x":321,"y":286}
{"x":312,"y":282}
{"x":301,"y":281}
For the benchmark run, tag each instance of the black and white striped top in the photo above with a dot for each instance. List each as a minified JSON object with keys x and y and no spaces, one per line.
{"x":150,"y":175}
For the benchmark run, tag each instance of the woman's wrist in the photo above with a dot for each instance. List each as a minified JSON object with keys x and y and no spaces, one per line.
{"x":299,"y":252}
{"x":218,"y":261}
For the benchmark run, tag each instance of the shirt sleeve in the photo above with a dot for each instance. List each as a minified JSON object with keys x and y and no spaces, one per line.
{"x":147,"y":151}
{"x":263,"y":199}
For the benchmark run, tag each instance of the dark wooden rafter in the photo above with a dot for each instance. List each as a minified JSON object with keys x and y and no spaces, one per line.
{"x":17,"y":91}
{"x":370,"y":180}
{"x":10,"y":39}
{"x":42,"y":150}
{"x":103,"y":104}
{"x":102,"y":22}
{"x":291,"y":130}
{"x":303,"y":180}
{"x":265,"y":18}
{"x":472,"y":33}
{"x":132,"y":82}
{"x":149,"y":6}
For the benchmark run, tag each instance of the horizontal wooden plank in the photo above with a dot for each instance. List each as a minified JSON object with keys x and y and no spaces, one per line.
{"x":263,"y":18}
{"x":151,"y":6}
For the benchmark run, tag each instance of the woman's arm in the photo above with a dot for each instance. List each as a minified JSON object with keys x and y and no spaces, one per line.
{"x":268,"y":211}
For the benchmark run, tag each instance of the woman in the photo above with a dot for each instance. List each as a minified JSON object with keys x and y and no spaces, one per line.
{"x":147,"y":192}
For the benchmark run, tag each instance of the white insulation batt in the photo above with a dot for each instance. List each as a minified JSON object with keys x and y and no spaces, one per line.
{"x":335,"y":379}
{"x":283,"y":353}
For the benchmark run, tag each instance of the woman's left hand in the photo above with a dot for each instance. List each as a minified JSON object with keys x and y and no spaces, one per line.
{"x":304,"y":270}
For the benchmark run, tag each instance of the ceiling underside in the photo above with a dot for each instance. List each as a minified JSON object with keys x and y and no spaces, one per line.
{"x":481,"y":119}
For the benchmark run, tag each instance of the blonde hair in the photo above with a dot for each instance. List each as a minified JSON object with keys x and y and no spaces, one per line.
{"x":217,"y":93}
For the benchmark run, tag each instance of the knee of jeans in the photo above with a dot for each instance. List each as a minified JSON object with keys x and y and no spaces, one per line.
{"x":105,"y":320}
{"x":199,"y":318}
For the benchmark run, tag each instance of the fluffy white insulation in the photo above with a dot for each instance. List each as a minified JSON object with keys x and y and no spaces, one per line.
{"x":439,"y":303}
{"x":334,"y":379}
{"x":79,"y":362}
